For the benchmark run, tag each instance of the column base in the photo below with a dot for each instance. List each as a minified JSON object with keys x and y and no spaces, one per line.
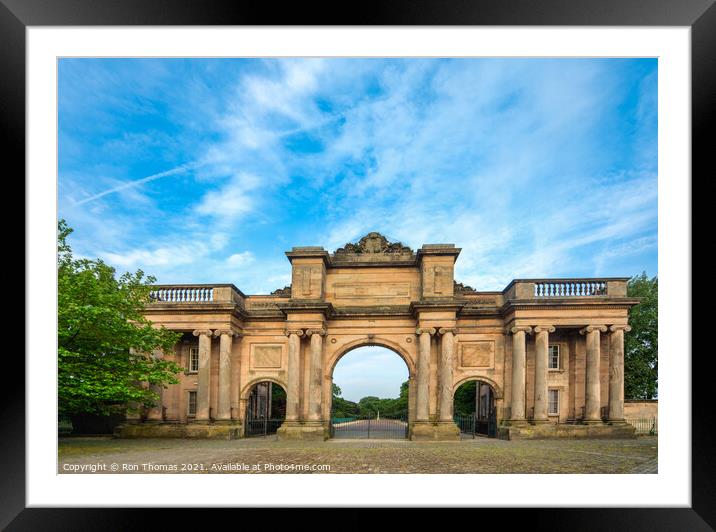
{"x":568,"y":431}
{"x":540,"y":421}
{"x":198,"y":430}
{"x":621,"y":421}
{"x":303,"y":430}
{"x":592,"y":421}
{"x":434,"y":431}
{"x":517,"y":423}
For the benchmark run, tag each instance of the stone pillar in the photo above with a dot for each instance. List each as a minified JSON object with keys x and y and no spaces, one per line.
{"x":156,"y":412}
{"x":541,"y":354}
{"x":519,"y":354}
{"x":204,"y":374}
{"x":616,"y":372}
{"x":294,"y":373}
{"x":592,"y":391}
{"x":223,"y":410}
{"x":424,"y":373}
{"x":447,"y":346}
{"x":315,"y":385}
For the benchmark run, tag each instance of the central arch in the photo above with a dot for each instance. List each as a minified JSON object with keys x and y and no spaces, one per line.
{"x":368,"y":426}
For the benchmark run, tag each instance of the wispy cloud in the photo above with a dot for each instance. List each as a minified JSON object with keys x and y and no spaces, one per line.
{"x":139,"y":182}
{"x":533,"y":167}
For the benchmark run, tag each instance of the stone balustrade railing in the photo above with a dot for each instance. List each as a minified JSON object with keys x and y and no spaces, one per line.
{"x":196,"y":293}
{"x":570,"y":288}
{"x":566,"y":288}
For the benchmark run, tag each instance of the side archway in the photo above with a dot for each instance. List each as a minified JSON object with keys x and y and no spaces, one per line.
{"x":264,"y":405}
{"x":475,"y":406}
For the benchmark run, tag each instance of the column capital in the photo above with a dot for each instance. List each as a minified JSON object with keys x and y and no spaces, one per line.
{"x":520,"y":328}
{"x":228,"y":332}
{"x":320,"y":332}
{"x":203,"y":332}
{"x":592,"y":328}
{"x":544,"y":328}
{"x":297,"y":332}
{"x":430,"y":330}
{"x":625,"y":328}
{"x":443,"y":330}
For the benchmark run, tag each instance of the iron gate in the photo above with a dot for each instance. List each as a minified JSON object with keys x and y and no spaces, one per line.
{"x":262,"y":426}
{"x":472,"y":425}
{"x":369,"y":428}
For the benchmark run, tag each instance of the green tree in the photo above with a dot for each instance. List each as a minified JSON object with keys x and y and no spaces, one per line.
{"x":341,"y":407}
{"x":105,"y":344}
{"x":464,"y":401}
{"x":641,"y":343}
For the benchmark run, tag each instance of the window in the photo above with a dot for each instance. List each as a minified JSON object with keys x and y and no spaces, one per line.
{"x":193,"y":360}
{"x":191,"y":404}
{"x":553,"y":403}
{"x":553,"y":357}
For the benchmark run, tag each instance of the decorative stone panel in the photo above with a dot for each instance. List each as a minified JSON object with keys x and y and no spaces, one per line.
{"x":480,"y":354}
{"x":266,"y":356}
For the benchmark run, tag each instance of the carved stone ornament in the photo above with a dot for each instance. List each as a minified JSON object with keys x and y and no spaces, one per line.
{"x":282,"y":292}
{"x":204,"y":332}
{"x":374,"y":243}
{"x":591,"y":328}
{"x":463,"y":289}
{"x":229,"y":332}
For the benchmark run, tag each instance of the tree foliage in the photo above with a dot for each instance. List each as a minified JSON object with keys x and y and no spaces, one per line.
{"x":371,"y":406}
{"x":106,"y":347}
{"x":464,"y":402}
{"x":641,"y":343}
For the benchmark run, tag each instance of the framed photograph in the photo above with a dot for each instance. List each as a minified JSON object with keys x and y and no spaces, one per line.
{"x":409,"y":259}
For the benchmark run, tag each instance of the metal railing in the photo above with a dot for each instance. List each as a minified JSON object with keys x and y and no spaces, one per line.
{"x":369,"y":428}
{"x":471,"y":425}
{"x":645,"y":425}
{"x":262,"y":426}
{"x":64,"y":425}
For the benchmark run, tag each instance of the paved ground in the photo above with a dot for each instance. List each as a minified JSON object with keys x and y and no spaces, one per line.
{"x":266,"y":455}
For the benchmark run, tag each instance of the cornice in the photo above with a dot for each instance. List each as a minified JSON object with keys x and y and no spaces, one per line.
{"x":305,"y":307}
{"x":568,"y":304}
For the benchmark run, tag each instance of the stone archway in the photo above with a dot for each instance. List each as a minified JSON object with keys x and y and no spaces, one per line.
{"x":475,"y":406}
{"x":392,"y":424}
{"x":264,"y":403}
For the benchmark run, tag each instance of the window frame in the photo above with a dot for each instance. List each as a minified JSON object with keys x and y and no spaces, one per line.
{"x":549,"y":401}
{"x":189,"y":369}
{"x":189,"y":393}
{"x":549,"y":357}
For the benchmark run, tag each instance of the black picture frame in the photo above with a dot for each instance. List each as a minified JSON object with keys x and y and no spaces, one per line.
{"x":699,"y":15}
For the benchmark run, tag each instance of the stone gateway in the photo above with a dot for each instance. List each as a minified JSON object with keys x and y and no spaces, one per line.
{"x":549,"y":353}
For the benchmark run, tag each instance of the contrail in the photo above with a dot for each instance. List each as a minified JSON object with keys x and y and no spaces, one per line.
{"x":129,"y":184}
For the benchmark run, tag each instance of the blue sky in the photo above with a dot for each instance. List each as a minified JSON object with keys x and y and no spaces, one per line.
{"x":207,"y":170}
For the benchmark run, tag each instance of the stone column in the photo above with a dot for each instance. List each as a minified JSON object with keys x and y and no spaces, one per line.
{"x":519,"y":354}
{"x":315,"y":390}
{"x":592,"y":391}
{"x":294,"y":375}
{"x":226,"y":336}
{"x":616,"y":372}
{"x":156,"y":412}
{"x":447,"y":346}
{"x":541,"y":353}
{"x":204,"y":374}
{"x":424,"y":373}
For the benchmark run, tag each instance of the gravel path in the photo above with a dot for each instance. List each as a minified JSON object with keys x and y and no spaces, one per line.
{"x":267,"y":455}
